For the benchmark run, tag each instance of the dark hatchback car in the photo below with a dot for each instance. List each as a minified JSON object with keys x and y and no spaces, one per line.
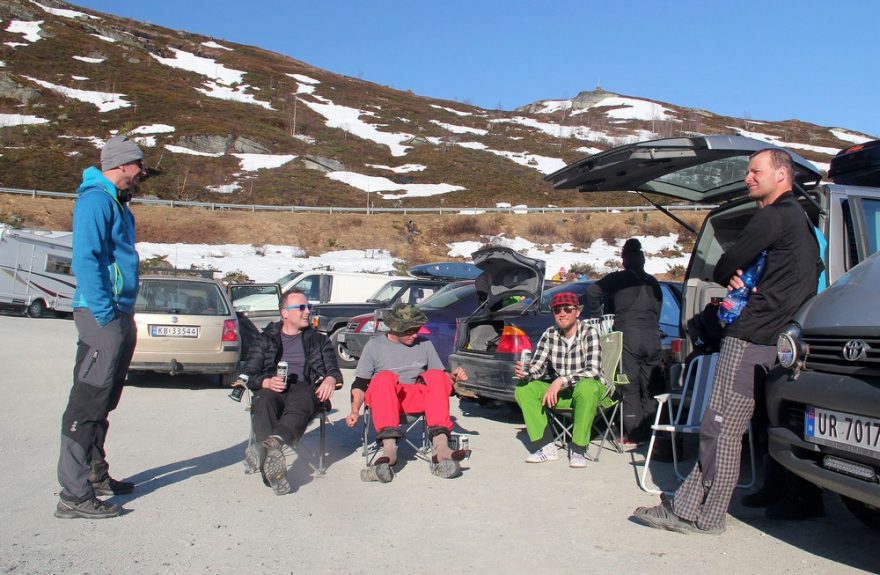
{"x":489,"y":343}
{"x":824,"y":401}
{"x":442,"y":309}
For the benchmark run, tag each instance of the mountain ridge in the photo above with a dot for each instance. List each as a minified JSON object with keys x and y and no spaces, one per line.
{"x":234,"y":123}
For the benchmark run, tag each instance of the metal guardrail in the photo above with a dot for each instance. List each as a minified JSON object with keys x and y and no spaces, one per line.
{"x":366,"y":210}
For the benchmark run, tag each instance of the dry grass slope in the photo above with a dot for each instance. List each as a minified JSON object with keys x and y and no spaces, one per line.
{"x":317,"y":234}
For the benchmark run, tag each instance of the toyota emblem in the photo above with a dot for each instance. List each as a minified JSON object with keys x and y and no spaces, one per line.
{"x":855,"y":350}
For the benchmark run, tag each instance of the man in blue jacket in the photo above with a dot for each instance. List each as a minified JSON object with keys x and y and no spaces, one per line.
{"x":105,"y":264}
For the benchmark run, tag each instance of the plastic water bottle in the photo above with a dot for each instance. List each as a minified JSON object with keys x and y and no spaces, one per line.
{"x":735,"y":301}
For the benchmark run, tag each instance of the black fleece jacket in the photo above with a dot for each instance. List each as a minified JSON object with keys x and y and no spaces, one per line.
{"x":790,"y":274}
{"x":265,"y":353}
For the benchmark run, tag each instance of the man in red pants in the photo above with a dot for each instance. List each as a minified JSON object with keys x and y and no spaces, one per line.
{"x":402,"y":373}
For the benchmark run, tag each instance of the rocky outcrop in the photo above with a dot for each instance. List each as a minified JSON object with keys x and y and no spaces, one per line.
{"x":12,"y":90}
{"x":322,"y":164}
{"x":223,"y":144}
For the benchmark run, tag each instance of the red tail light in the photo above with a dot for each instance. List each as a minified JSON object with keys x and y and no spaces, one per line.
{"x":676,"y":346}
{"x":230,"y":330}
{"x":513,"y":340}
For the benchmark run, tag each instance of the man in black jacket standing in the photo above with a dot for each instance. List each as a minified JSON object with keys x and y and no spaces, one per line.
{"x":282,"y":407}
{"x":635,"y":299}
{"x":781,"y":227}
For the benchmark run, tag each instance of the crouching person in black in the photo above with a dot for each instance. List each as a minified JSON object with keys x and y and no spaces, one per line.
{"x":282,"y":408}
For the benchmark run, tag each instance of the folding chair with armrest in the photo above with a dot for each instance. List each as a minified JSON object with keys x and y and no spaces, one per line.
{"x":684,"y":412}
{"x":411,"y":422}
{"x":609,"y":408}
{"x":321,"y":415}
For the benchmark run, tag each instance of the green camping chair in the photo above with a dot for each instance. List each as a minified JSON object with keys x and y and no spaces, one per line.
{"x":609,"y":409}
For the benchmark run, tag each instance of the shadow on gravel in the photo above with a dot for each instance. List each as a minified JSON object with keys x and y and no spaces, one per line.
{"x":150,"y":480}
{"x":837,"y":537}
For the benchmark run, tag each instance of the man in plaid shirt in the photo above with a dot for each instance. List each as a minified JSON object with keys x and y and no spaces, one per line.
{"x":564,"y":372}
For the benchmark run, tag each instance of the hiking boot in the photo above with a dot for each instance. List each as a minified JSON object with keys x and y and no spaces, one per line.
{"x":110,"y":487}
{"x":381,"y":473}
{"x":577,"y":460}
{"x":447,"y":469}
{"x":252,"y":459}
{"x":274,"y":466}
{"x":92,"y":508}
{"x":662,"y":517}
{"x":547,"y":453}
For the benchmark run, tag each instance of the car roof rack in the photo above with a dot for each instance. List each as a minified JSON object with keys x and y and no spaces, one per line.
{"x":207,"y":274}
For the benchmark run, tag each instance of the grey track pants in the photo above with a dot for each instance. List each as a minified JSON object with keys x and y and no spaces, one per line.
{"x":102,"y":358}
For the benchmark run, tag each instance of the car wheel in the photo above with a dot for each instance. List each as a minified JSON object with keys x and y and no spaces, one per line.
{"x":36,"y":308}
{"x":867,"y":514}
{"x":227,"y":379}
{"x":343,"y":358}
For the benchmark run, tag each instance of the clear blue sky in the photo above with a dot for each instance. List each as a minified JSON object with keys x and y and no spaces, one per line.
{"x":812,"y":60}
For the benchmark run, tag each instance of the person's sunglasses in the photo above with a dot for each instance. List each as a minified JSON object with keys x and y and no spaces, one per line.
{"x":301,"y":307}
{"x":564,"y":308}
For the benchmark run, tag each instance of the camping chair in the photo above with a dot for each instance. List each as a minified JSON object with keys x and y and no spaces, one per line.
{"x":609,"y":411}
{"x":412,"y":423}
{"x":685,"y":414}
{"x":320,"y":469}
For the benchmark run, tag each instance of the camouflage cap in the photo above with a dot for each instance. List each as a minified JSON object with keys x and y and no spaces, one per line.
{"x":405,"y":316}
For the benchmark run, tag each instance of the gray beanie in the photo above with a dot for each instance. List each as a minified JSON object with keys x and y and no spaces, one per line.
{"x":119,"y":150}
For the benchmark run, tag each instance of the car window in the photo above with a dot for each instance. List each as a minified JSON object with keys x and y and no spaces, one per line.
{"x":710,"y":175}
{"x":447,"y":298}
{"x":180,"y":297}
{"x":871,"y":216}
{"x":670,"y":310}
{"x":387,"y":292}
{"x":310,"y":286}
{"x":415,"y":295}
{"x":286,"y":279}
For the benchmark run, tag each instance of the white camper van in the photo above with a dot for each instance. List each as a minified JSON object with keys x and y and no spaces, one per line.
{"x":35,"y":273}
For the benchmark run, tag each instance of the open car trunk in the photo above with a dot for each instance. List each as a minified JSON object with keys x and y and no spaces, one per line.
{"x":507,"y":276}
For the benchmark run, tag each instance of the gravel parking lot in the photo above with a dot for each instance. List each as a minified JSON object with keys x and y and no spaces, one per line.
{"x":195,"y":511}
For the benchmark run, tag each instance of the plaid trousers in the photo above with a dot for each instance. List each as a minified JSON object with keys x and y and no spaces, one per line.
{"x":705,"y":495}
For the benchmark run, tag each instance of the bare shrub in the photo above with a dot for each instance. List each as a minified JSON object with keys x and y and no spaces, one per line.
{"x":611,"y":232}
{"x":613,"y":265}
{"x":658,"y":227}
{"x":460,"y":226}
{"x":542,"y":229}
{"x":236,"y":277}
{"x":676,"y":272}
{"x":581,"y":236}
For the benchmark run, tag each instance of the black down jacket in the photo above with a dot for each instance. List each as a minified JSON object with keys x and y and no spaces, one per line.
{"x":265,"y":353}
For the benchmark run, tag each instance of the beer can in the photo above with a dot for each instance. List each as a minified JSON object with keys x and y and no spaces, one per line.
{"x":463,"y":442}
{"x":281,"y":371}
{"x":525,"y":357}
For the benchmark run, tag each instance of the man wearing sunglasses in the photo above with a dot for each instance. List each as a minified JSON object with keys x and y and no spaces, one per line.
{"x":402,"y":373}
{"x":283,"y":407}
{"x":105,"y":264}
{"x":564,"y":372}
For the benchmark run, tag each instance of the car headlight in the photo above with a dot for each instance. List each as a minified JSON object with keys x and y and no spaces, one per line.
{"x":789,"y":348}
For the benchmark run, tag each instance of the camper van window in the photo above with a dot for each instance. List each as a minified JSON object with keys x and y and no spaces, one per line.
{"x":871,"y":215}
{"x":58,"y":265}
